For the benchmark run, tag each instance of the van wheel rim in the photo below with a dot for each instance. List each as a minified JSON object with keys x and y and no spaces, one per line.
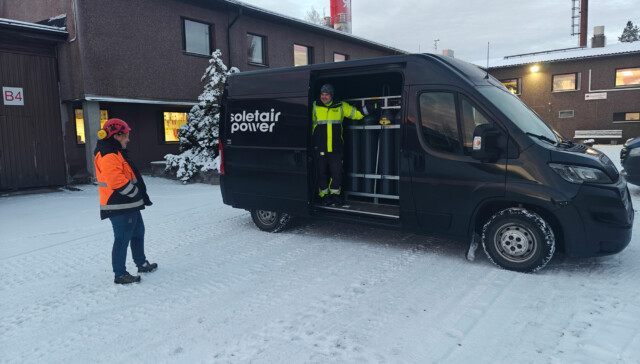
{"x":515,"y":242}
{"x":267,"y":217}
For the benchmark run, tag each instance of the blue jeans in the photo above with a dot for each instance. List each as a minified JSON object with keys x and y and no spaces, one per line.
{"x":127,"y":227}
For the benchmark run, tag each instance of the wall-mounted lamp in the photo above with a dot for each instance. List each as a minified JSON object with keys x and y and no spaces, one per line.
{"x":535,"y":69}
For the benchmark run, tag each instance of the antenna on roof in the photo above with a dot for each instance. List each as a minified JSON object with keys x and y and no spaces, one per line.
{"x":487,"y":76}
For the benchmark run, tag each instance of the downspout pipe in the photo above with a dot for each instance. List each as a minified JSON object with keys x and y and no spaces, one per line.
{"x":229,"y":34}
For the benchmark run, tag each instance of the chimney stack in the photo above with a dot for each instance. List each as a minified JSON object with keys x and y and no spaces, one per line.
{"x":598,"y":40}
{"x":584,"y":17}
{"x":327,"y":22}
{"x":448,"y":52}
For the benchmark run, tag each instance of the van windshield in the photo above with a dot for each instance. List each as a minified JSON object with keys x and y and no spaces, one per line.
{"x":519,"y":113}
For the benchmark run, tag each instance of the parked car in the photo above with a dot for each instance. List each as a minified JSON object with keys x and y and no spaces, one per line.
{"x":630,"y":159}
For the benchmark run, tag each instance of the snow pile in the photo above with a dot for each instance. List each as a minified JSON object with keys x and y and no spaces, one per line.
{"x":199,"y":136}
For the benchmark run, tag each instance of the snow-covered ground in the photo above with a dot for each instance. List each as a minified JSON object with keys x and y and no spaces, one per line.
{"x":315,"y":293}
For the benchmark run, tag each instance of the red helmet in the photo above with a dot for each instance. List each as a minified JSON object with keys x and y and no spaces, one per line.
{"x":113,"y":126}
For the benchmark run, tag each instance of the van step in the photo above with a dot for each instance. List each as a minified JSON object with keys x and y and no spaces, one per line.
{"x":365,"y":208}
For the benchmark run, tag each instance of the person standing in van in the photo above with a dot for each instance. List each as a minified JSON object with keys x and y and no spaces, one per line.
{"x":122,"y":195}
{"x":328,"y":143}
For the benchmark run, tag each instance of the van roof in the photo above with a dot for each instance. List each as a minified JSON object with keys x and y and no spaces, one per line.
{"x":418,"y":69}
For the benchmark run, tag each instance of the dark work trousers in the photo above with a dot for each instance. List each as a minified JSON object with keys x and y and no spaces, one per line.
{"x":329,"y":168}
{"x":127,"y":228}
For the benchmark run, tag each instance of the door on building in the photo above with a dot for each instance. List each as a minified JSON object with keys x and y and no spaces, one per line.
{"x":31,"y":144}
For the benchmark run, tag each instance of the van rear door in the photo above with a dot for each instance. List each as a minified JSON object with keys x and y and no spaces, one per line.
{"x":447,"y":183}
{"x":265,"y":141}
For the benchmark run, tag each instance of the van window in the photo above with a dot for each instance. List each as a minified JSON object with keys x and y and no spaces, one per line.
{"x":439,"y":122}
{"x":519,"y":113}
{"x":471,"y":117}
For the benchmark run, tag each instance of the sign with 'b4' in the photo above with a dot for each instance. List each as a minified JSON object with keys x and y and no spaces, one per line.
{"x":13,"y":96}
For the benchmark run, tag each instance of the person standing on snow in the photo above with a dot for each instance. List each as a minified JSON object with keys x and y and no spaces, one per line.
{"x":328,"y":143}
{"x":122,"y":195}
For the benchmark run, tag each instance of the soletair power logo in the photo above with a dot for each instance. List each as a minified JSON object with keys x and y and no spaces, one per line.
{"x":254,"y":121}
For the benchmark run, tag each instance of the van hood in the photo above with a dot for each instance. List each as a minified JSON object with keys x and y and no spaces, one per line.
{"x":583,"y":155}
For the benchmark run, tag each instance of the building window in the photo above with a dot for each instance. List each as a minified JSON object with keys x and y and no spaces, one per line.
{"x":622,"y":117}
{"x":80,"y":136}
{"x":301,"y":55}
{"x":256,"y":50}
{"x":172,"y":123}
{"x":339,"y":57}
{"x":513,"y":85}
{"x":628,"y":77}
{"x":197,"y":37}
{"x":563,"y":114}
{"x":566,"y":82}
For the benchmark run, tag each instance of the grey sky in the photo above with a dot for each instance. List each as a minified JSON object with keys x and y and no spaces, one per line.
{"x":511,"y":26}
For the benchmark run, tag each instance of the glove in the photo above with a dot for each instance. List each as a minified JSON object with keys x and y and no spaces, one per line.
{"x":147,"y":201}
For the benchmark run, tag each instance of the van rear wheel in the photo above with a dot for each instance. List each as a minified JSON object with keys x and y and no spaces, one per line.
{"x":518,"y":239}
{"x":270,"y":221}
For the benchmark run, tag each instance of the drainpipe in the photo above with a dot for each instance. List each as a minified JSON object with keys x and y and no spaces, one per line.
{"x":229,"y":35}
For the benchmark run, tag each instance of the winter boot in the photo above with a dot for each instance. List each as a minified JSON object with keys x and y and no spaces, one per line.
{"x":126,"y":278}
{"x":147,"y":267}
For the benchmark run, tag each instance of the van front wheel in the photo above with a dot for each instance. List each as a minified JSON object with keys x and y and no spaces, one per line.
{"x":270,"y":221}
{"x":518,"y":239}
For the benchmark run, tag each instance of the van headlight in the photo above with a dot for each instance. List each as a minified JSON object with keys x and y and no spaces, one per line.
{"x":578,"y":174}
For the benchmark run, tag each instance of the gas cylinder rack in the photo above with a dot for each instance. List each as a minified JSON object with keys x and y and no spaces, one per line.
{"x":371,"y":156}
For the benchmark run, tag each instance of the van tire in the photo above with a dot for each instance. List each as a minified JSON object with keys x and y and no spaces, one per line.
{"x":518,"y":239}
{"x":270,"y":221}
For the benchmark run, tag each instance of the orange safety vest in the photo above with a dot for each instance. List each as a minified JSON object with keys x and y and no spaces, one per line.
{"x":119,"y":193}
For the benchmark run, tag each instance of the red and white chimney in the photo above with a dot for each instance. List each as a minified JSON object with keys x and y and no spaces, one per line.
{"x":341,"y":15}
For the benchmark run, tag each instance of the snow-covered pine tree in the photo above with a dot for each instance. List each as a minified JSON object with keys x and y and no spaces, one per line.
{"x":199,"y":136}
{"x":630,"y":33}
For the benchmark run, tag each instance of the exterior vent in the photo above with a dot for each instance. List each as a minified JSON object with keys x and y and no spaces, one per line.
{"x":563,"y":114}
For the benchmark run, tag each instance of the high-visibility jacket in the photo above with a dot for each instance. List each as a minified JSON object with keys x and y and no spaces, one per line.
{"x":121,"y":190}
{"x":327,"y":125}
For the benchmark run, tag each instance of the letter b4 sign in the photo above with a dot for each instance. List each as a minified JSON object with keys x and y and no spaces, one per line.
{"x":13,"y":96}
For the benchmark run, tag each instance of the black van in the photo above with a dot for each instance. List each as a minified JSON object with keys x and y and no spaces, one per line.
{"x":457,"y":156}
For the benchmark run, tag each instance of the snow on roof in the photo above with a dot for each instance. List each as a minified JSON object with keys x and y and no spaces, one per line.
{"x":560,"y":55}
{"x":312,"y":25}
{"x":33,"y":26}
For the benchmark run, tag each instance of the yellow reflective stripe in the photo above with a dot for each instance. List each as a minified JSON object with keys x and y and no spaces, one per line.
{"x":329,"y":137}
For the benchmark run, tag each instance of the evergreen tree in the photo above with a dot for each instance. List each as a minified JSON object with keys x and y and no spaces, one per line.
{"x":630,"y":33}
{"x":199,"y":136}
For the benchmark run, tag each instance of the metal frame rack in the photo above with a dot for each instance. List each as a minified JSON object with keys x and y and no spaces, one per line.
{"x":388,"y":102}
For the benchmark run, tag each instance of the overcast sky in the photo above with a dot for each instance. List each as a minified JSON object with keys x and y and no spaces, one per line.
{"x":511,"y":26}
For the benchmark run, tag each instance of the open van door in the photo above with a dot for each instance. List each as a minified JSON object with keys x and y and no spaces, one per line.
{"x":265,"y":136}
{"x":449,"y":181}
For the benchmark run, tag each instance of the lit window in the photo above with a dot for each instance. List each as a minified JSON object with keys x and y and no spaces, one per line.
{"x":626,"y":116}
{"x":256,"y":50}
{"x":566,"y":82}
{"x":628,"y":77}
{"x":301,"y":55}
{"x":512,"y":85}
{"x":80,"y":136}
{"x":172,"y":122}
{"x":197,"y":38}
{"x":338,"y":57}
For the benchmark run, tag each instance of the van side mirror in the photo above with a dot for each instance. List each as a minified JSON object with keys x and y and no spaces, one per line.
{"x":486,"y":146}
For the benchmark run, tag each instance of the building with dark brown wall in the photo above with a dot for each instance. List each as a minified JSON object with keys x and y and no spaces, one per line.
{"x":142,"y":61}
{"x":584,"y":93}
